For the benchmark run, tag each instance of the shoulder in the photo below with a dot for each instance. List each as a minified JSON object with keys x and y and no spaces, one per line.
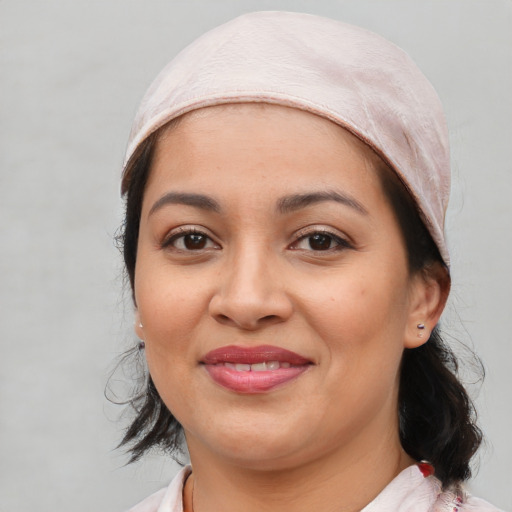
{"x":412,"y":491}
{"x":151,"y":503}
{"x":449,"y":501}
{"x":473,"y":504}
{"x":168,"y":499}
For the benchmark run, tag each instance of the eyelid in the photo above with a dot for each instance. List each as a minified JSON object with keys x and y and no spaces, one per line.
{"x":343,"y":241}
{"x":181,"y":231}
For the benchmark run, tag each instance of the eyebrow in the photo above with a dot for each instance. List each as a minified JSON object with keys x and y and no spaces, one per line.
{"x":285,"y":204}
{"x":197,"y":200}
{"x":295,"y":202}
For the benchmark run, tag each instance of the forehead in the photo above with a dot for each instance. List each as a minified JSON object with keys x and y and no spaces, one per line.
{"x":263,"y":125}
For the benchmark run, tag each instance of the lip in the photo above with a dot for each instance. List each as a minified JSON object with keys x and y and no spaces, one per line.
{"x":253,"y":381}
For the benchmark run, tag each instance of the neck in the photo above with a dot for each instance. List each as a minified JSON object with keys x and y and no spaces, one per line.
{"x":330,"y":483}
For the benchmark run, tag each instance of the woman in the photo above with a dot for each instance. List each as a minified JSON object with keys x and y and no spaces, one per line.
{"x":286,"y":183}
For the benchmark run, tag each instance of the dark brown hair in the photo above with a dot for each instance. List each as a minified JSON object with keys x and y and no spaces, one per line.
{"x":437,"y":417}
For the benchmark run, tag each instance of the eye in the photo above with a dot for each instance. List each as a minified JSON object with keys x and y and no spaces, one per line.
{"x":320,"y":241}
{"x":189,"y":240}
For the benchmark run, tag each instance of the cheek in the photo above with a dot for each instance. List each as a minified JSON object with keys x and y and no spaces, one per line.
{"x":169,"y":316}
{"x":167,"y":301}
{"x":355,"y":306}
{"x":360,"y":324}
{"x":361,"y":327}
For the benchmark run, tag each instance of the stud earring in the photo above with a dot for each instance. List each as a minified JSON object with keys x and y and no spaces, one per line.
{"x":140,"y":325}
{"x":421,"y":329}
{"x":142,"y":345}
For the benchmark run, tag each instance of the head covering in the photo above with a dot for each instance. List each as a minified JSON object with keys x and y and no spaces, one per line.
{"x":341,"y":72}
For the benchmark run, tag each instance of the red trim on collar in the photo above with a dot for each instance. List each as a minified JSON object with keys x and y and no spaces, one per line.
{"x":426,"y":469}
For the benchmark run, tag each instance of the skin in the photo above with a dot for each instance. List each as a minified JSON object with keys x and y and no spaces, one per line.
{"x":327,"y":440}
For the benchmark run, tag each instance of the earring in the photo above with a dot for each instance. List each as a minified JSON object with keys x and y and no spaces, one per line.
{"x":142,"y":345}
{"x":421,"y":328}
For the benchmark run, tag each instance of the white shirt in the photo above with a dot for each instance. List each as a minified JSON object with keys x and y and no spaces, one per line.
{"x":410,"y":491}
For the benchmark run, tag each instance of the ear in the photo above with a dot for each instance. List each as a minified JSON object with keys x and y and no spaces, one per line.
{"x":137,"y":326}
{"x":428,"y":295}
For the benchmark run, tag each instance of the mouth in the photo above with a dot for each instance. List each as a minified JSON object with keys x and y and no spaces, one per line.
{"x":254,"y":369}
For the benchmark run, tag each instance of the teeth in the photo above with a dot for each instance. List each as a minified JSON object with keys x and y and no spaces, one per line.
{"x":257,"y":367}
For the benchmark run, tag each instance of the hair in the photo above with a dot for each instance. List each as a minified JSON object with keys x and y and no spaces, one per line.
{"x":437,"y":418}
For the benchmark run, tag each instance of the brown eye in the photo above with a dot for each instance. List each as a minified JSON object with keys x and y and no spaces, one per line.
{"x":320,"y":242}
{"x":190,"y":241}
{"x":195,"y":241}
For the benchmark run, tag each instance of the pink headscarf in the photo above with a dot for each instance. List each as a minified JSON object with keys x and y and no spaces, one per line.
{"x":341,"y":72}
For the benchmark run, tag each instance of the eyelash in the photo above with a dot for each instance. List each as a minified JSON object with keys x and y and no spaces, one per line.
{"x":340,"y":242}
{"x":182,"y":233}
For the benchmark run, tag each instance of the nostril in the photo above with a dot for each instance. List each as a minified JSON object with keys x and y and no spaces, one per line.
{"x":247,"y":323}
{"x":223,"y":318}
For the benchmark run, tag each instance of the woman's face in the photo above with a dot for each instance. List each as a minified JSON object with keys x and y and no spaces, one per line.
{"x":273,"y":287}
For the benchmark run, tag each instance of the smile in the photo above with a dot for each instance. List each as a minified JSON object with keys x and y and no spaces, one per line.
{"x":253,"y":369}
{"x":257,"y":367}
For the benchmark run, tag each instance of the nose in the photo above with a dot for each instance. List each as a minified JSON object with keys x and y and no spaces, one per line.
{"x":251,"y":293}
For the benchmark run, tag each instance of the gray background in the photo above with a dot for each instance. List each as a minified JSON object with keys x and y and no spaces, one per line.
{"x":72,"y":74}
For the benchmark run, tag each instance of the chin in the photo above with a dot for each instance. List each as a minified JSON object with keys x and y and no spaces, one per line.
{"x":251,"y":444}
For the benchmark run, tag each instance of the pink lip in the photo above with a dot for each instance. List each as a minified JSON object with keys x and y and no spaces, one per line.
{"x":253,"y":381}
